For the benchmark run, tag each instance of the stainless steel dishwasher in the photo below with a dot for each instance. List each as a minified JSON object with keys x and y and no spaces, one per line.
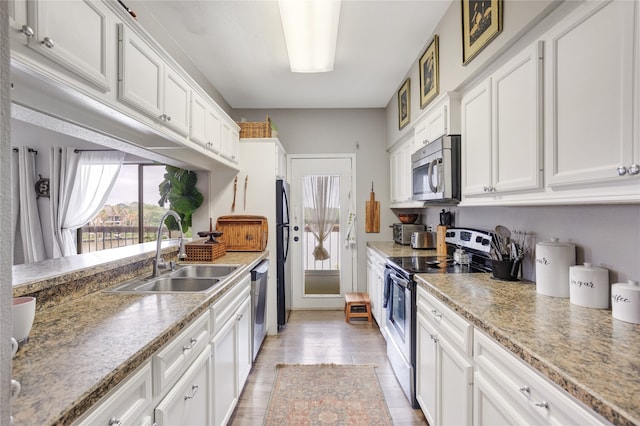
{"x":259,"y":279}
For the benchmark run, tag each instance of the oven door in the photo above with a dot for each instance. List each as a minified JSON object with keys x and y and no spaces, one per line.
{"x":400,"y":325}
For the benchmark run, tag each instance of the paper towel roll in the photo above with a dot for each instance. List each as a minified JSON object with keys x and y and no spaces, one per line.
{"x":553,"y":259}
{"x":625,"y":301}
{"x":589,"y":286}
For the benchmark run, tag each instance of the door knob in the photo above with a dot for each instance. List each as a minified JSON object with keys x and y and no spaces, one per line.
{"x":296,"y":239}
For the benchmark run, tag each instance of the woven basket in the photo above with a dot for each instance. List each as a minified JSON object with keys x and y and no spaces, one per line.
{"x":254,"y":129}
{"x":201,"y":252}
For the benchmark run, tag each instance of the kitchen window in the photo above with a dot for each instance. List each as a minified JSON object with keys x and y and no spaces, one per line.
{"x":131,"y":214}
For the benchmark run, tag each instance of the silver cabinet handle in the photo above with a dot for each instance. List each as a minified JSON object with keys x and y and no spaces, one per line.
{"x":47,"y":42}
{"x":525,"y":390}
{"x":192,"y":342}
{"x":622,"y":170}
{"x":634,"y":169}
{"x":168,"y":118}
{"x":27,"y":31}
{"x":543,"y":404}
{"x":434,"y":337}
{"x":163,"y":117}
{"x":194,"y":391}
{"x":114,"y":422}
{"x":436,"y":314}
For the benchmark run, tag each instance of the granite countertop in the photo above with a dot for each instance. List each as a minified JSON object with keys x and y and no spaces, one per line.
{"x":81,"y":348}
{"x":587,"y":352}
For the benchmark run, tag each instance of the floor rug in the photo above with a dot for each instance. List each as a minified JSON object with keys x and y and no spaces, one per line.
{"x":327,"y":394}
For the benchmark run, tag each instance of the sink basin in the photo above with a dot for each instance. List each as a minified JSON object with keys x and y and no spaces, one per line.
{"x":169,"y":284}
{"x":204,"y":271}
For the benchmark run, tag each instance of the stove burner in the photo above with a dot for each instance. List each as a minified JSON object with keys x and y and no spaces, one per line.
{"x":432,"y":265}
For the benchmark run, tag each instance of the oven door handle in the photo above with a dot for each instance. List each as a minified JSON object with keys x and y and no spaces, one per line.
{"x":400,"y":281}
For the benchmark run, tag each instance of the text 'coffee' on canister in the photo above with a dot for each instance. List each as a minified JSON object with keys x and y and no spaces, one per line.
{"x":553,"y":260}
{"x":625,"y":301}
{"x":589,"y":286}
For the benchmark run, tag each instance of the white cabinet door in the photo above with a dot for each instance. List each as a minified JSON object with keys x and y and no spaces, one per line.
{"x":81,"y":47}
{"x":245,"y":342}
{"x":17,"y":15}
{"x":517,"y":130}
{"x":589,"y":104}
{"x":141,"y":74}
{"x":176,"y":102}
{"x":394,"y":177}
{"x":230,"y":141}
{"x":476,"y":140}
{"x":189,"y":401}
{"x":426,"y":369}
{"x":455,"y":385}
{"x":490,"y":408}
{"x":199,"y":115}
{"x":225,"y":386}
{"x":213,"y":130}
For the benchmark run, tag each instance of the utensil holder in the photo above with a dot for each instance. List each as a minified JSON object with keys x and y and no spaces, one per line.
{"x":506,"y":270}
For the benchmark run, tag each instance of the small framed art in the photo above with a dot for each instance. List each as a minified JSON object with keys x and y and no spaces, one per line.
{"x":404,"y":104}
{"x":429,"y":73}
{"x":481,"y":23}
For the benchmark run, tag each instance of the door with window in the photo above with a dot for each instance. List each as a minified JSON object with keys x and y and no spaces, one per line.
{"x":322,"y":260}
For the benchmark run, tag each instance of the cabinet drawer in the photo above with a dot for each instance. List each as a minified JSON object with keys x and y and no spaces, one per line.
{"x":518,"y":382}
{"x":223,"y":309}
{"x":456,"y":329}
{"x":129,"y":403}
{"x":189,"y":401}
{"x":173,"y":359}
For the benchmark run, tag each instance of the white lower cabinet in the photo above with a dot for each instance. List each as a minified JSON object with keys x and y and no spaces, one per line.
{"x":375,"y":287}
{"x":508,"y":391}
{"x":444,"y":369}
{"x":128,"y":404}
{"x":188,"y":402}
{"x":231,"y":350}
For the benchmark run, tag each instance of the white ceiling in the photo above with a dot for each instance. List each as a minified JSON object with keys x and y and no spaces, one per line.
{"x":239,"y":47}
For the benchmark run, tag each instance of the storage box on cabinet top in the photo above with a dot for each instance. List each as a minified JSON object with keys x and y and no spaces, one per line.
{"x":259,"y":129}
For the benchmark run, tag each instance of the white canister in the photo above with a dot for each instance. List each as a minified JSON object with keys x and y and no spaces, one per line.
{"x":589,"y":286}
{"x":553,"y":259}
{"x":625,"y":301}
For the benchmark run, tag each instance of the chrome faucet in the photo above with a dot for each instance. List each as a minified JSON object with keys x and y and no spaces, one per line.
{"x":158,"y":262}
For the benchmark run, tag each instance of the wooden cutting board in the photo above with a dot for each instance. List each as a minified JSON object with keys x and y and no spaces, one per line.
{"x":372,"y":213}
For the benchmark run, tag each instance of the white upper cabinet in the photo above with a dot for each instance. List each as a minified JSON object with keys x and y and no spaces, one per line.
{"x":213,"y":130}
{"x":441,"y":117}
{"x":476,"y":139}
{"x":149,"y":84}
{"x":230,"y":141}
{"x":589,"y":102}
{"x":81,"y":47}
{"x":199,"y":115}
{"x":502,"y":128}
{"x":141,"y":73}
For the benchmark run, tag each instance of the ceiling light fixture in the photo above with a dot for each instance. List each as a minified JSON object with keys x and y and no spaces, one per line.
{"x":310,"y":32}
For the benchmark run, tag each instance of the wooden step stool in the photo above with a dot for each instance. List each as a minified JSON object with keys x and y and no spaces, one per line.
{"x":361,"y":303}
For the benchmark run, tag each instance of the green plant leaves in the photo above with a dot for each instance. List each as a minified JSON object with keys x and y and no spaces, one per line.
{"x":179,"y":189}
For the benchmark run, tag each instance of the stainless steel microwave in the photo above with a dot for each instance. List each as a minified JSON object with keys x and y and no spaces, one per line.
{"x":435,"y":170}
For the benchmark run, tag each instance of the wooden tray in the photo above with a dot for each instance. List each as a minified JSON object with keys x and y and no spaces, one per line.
{"x":243,"y":232}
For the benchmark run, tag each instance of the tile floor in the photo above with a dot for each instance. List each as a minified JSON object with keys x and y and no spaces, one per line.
{"x":313,"y":337}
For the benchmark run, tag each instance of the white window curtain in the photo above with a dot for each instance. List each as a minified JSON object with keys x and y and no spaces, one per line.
{"x":321,"y":196}
{"x":84,"y":181}
{"x":27,"y":228}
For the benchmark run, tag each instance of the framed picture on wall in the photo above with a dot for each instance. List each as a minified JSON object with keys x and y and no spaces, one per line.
{"x":404,"y":104}
{"x":481,"y":23}
{"x":429,"y":73}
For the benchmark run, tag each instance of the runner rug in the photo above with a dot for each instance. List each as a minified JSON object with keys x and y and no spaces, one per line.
{"x":327,"y":394}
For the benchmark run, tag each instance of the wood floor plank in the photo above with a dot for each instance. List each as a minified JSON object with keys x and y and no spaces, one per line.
{"x":314,"y":337}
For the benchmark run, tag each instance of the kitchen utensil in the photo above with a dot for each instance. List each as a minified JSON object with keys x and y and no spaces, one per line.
{"x":553,"y":260}
{"x":589,"y":286}
{"x":441,"y":240}
{"x":235,"y":189}
{"x":625,"y":301}
{"x":372,"y":213}
{"x":407,"y":218}
{"x":445,"y":218}
{"x":246,"y":184}
{"x":506,"y":270}
{"x":23,"y":311}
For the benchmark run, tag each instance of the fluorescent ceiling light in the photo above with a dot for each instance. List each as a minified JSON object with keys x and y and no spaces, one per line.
{"x":310,"y":31}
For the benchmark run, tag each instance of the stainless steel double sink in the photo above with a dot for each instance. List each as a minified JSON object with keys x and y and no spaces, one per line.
{"x":185,"y":279}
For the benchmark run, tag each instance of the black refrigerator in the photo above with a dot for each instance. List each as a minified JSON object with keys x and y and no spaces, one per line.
{"x":282,"y":247}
